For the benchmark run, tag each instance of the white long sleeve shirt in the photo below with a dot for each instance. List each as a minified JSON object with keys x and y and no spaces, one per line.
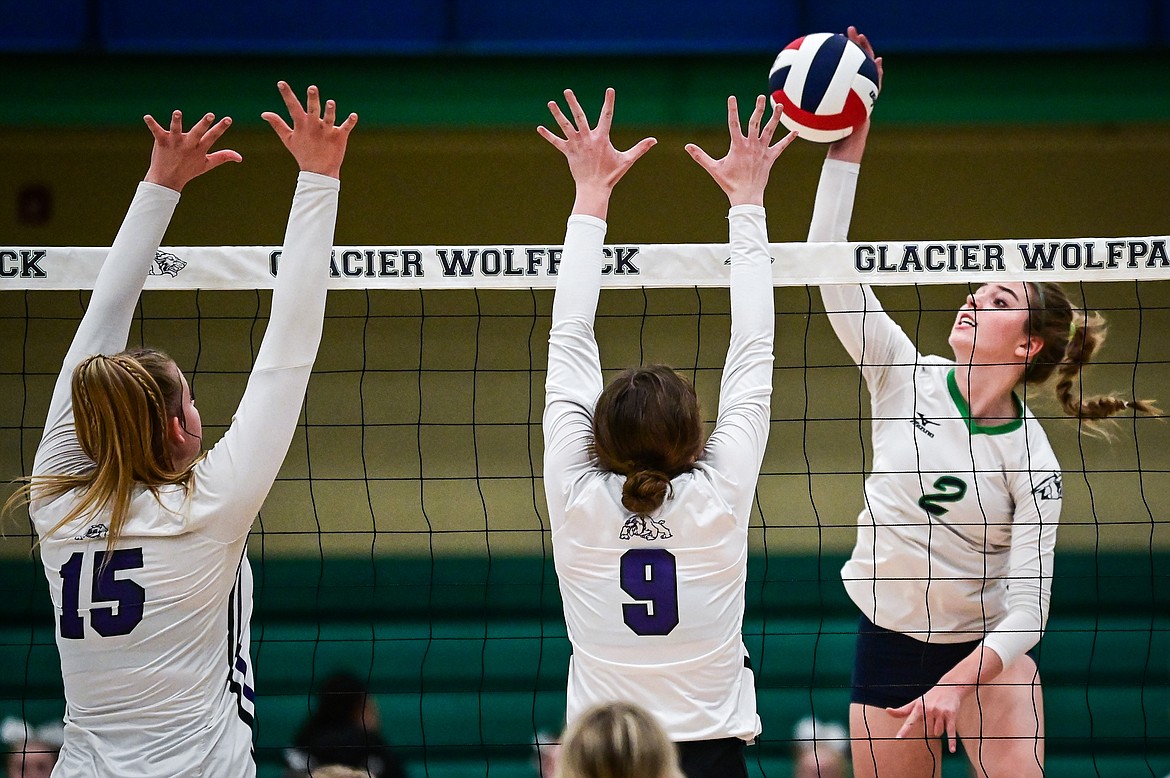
{"x":154,"y":648}
{"x":654,"y":607}
{"x":957,"y":536}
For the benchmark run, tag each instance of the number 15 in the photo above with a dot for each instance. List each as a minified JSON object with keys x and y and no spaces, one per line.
{"x":106,"y":587}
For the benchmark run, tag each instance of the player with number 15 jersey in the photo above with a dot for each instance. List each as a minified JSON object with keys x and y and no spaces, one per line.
{"x":142,"y":536}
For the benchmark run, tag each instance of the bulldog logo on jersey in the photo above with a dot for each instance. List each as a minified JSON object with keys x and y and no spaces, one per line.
{"x":1051,"y":488}
{"x":95,"y":532}
{"x":166,"y":264}
{"x":646,"y":528}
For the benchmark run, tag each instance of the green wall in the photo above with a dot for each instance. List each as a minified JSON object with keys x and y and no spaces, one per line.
{"x":511,"y":91}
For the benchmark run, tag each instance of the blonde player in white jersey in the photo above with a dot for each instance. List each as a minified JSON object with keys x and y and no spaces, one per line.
{"x":649,"y":524}
{"x":953,"y":563}
{"x":142,"y":538}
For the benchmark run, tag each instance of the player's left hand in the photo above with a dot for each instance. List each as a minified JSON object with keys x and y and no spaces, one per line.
{"x":593,"y":160}
{"x":932,"y":715}
{"x":179,"y":156}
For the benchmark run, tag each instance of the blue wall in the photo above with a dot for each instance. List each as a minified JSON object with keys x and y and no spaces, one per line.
{"x":652,"y":27}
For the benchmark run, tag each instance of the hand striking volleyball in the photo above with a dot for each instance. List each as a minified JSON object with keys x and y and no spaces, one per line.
{"x":826,"y":84}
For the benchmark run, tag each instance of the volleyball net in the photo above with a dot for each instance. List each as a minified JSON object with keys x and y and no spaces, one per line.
{"x":406,"y":539}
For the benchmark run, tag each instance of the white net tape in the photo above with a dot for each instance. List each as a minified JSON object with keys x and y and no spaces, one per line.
{"x":627,"y":265}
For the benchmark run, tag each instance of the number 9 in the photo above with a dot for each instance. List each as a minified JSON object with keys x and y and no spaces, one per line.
{"x":649,"y":574}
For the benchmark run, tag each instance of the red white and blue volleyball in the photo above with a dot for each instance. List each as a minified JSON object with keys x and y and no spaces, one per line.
{"x":826,"y":84}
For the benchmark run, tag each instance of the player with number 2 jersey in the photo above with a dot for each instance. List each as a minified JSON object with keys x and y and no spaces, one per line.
{"x":952,"y":570}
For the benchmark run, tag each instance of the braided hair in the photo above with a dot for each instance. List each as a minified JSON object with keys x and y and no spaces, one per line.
{"x":1070,"y":338}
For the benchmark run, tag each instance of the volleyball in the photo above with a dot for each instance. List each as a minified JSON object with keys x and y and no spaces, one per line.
{"x":826,"y":84}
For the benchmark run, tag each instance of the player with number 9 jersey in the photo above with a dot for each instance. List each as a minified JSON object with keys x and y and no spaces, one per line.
{"x":649,"y":523}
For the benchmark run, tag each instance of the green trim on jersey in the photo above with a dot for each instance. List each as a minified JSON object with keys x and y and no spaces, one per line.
{"x":965,"y":410}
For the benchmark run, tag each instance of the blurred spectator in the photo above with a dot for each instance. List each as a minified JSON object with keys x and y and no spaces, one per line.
{"x":32,"y":751}
{"x":821,"y":749}
{"x":338,"y":771}
{"x":544,"y":753}
{"x":345,"y":730}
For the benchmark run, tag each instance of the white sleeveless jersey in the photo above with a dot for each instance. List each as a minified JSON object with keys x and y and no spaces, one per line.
{"x":957,"y":536}
{"x":153,"y":636}
{"x":654,"y":606}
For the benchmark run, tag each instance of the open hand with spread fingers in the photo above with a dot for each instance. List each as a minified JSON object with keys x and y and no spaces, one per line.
{"x":595,"y":164}
{"x":178,"y":157}
{"x":743,"y":172}
{"x":316,"y":141}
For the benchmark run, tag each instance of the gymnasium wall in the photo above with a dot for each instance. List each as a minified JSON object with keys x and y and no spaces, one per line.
{"x":804,"y":514}
{"x":993,"y":123}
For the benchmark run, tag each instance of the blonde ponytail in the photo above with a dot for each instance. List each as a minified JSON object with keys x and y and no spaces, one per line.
{"x":122,"y":406}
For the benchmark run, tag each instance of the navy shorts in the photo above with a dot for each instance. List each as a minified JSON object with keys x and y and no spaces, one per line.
{"x":891,"y":669}
{"x":720,"y":758}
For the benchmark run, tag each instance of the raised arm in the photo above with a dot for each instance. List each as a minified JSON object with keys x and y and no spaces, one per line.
{"x":177,"y":158}
{"x":573,"y":382}
{"x":736,"y":447}
{"x":236,"y":475}
{"x":874,"y":341}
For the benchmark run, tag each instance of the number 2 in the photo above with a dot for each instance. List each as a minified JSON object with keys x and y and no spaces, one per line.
{"x":930,"y":502}
{"x":649,"y":574}
{"x":105,"y":587}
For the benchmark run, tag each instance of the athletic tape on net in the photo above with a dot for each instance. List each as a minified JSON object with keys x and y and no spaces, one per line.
{"x":626,"y":265}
